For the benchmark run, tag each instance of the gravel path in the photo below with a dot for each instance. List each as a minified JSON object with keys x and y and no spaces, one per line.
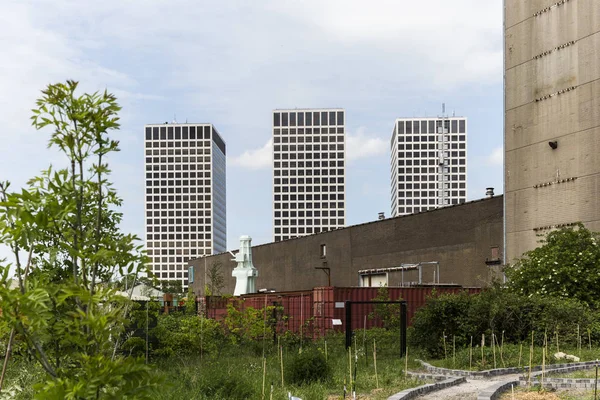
{"x":468,"y":390}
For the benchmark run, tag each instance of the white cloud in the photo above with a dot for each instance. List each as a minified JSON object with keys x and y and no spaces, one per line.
{"x":361,"y":145}
{"x":255,"y":159}
{"x":458,"y":43}
{"x":496,"y":158}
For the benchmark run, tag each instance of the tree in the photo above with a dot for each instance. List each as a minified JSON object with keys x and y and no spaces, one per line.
{"x":67,"y":222}
{"x":388,"y":314}
{"x":173,"y":287}
{"x":567,"y":265}
{"x":215,"y":279}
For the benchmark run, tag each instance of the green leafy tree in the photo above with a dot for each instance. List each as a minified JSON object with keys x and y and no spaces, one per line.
{"x":66,"y":221}
{"x":172,"y":287}
{"x":388,"y":314}
{"x":248,"y":324}
{"x":567,"y":265}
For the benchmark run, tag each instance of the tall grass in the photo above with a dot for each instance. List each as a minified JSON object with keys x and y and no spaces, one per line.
{"x":237,"y":373}
{"x":513,"y":354}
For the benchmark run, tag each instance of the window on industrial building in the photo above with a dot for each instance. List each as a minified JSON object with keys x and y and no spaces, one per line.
{"x":323,"y":251}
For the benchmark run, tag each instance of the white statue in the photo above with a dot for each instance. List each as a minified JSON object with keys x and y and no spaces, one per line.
{"x":245,"y":273}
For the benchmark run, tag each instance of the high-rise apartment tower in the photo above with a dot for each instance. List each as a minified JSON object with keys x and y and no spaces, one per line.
{"x":185,"y":196}
{"x":428,"y":164}
{"x":309,"y":164}
{"x":552,"y":119}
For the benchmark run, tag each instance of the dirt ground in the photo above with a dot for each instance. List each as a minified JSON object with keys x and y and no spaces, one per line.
{"x":558,"y":395}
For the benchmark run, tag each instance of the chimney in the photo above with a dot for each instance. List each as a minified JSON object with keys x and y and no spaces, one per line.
{"x":381,"y":216}
{"x":489,"y":192}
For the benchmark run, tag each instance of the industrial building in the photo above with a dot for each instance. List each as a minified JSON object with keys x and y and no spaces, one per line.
{"x":552,"y":119}
{"x":459,"y":244}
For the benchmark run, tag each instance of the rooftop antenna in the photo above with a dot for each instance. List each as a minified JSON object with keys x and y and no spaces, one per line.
{"x":443,"y":108}
{"x":174,"y":119}
{"x":454,"y":113}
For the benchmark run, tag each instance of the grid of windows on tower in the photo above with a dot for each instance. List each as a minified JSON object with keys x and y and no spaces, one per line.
{"x":308,"y":172}
{"x":184,"y":218}
{"x":428,"y":164}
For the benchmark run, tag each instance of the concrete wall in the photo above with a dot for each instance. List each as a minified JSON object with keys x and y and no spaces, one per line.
{"x":459,"y":237}
{"x":555,"y":50}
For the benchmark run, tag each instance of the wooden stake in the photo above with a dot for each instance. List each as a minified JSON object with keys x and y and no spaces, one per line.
{"x":494,"y":348}
{"x":520,"y":353}
{"x":471,"y":354}
{"x":375,"y":363}
{"x":350,"y":366}
{"x":482,"y":349}
{"x":365,"y":340}
{"x":264,"y":376}
{"x":530,"y":360}
{"x":445,"y":353}
{"x":579,"y":341}
{"x":406,"y":363}
{"x":281,"y":358}
{"x":543,"y":366}
{"x":453,"y":351}
{"x":545,"y":346}
{"x":502,"y":351}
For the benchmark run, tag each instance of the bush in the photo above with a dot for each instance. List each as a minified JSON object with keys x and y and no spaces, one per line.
{"x":222,"y":386}
{"x":307,"y":367}
{"x":462,"y":316}
{"x":566,"y":266}
{"x":184,"y":334}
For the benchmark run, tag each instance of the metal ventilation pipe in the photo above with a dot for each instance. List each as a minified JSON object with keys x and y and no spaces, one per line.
{"x":489,"y":192}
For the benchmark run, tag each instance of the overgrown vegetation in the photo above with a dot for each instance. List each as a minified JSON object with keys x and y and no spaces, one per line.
{"x":63,"y":230}
{"x":307,"y":367}
{"x":566,"y":266}
{"x":552,"y":294}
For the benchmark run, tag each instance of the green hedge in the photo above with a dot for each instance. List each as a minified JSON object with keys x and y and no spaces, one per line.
{"x":462,"y":316}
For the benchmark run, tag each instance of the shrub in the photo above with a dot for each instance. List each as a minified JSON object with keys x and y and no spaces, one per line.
{"x":307,"y":367}
{"x":222,"y":386}
{"x":567,"y":265}
{"x":496,"y":310}
{"x":184,"y":334}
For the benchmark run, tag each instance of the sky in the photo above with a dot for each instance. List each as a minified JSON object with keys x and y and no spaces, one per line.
{"x":231,"y":63}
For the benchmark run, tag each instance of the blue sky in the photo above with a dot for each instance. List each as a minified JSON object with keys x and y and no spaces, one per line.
{"x":232,"y":62}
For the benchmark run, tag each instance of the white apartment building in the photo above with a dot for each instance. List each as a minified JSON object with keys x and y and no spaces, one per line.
{"x":428,"y":164}
{"x":309,"y":164}
{"x":185,"y":203}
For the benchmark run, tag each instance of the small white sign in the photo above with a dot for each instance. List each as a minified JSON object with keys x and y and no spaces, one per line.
{"x":336,"y":322}
{"x":339,"y":304}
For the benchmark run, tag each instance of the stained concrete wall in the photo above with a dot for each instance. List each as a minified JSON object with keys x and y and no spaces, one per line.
{"x":552,"y":67}
{"x":459,"y":237}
